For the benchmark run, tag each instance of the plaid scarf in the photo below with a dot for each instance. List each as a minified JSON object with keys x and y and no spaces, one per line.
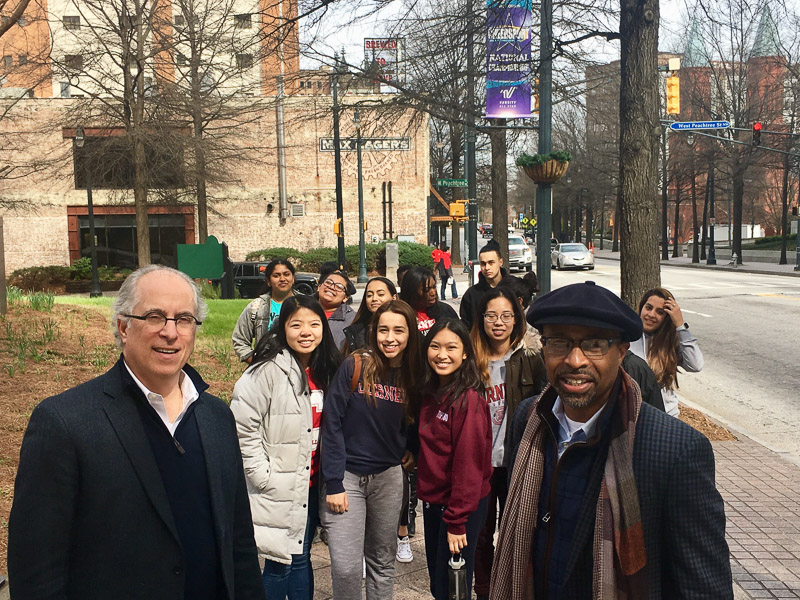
{"x":618,"y":543}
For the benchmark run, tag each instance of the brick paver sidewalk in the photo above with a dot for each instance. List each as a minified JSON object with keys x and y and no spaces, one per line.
{"x":762,"y":503}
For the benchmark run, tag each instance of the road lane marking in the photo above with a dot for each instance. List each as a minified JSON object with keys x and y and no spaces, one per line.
{"x":692,"y":312}
{"x":787,"y":296}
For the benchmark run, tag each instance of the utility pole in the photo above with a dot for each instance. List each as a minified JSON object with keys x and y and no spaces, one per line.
{"x":544,"y":191}
{"x":337,"y":162}
{"x":469,"y":135}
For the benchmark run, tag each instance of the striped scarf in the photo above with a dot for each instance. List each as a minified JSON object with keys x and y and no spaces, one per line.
{"x":618,"y":543}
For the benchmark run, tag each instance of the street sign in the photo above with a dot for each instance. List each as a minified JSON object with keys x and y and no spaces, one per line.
{"x":692,"y":125}
{"x":455,"y":183}
{"x":524,"y":220}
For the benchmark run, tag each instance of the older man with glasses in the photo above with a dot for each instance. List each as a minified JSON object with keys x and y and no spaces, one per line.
{"x":609,"y":497}
{"x":334,"y":290}
{"x":131,"y":485}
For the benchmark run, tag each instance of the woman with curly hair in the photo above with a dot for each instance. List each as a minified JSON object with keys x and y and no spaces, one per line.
{"x":666,"y":344}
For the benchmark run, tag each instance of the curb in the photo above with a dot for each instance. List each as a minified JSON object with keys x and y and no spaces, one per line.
{"x":712,"y":267}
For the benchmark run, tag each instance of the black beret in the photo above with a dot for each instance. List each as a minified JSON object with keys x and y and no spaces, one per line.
{"x":589,"y":305}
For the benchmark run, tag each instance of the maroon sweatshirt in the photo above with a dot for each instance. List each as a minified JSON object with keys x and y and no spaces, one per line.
{"x":455,"y":456}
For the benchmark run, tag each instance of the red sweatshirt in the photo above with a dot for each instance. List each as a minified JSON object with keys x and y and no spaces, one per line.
{"x":455,"y":457}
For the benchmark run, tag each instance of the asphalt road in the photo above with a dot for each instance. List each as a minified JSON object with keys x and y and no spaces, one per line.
{"x":748,"y":327}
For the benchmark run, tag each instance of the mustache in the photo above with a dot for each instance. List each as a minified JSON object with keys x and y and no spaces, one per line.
{"x":566,"y":371}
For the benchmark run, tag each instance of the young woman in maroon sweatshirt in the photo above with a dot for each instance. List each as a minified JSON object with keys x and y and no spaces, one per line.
{"x":455,"y":464}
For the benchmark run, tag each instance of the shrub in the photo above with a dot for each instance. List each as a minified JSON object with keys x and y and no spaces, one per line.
{"x":351,"y":257}
{"x":267,"y":254}
{"x":528,"y":160}
{"x":40,"y":278}
{"x":312,"y":260}
{"x":82,"y":268}
{"x":410,"y":253}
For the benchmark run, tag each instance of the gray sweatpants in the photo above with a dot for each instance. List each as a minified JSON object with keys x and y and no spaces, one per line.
{"x":367,"y":530}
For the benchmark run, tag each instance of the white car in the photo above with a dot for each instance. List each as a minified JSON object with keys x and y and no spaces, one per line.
{"x":571,"y":256}
{"x":520,"y":255}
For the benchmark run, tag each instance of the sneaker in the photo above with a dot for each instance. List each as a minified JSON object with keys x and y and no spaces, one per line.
{"x":404,"y":554}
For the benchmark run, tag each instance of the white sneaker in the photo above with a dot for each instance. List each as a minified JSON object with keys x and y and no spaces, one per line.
{"x":404,"y":554}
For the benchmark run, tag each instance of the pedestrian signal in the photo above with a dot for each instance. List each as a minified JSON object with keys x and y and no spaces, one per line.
{"x":673,"y":95}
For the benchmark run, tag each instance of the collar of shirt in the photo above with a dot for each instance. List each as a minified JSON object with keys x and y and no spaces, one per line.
{"x":188,"y":391}
{"x":570,"y":431}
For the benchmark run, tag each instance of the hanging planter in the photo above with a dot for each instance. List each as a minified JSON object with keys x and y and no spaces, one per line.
{"x":545,"y":168}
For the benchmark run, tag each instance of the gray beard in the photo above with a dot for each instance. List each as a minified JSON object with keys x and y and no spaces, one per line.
{"x":576,"y":400}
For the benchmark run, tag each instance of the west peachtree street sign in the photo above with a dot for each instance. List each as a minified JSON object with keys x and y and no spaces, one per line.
{"x":367,"y":144}
{"x":691,"y":125}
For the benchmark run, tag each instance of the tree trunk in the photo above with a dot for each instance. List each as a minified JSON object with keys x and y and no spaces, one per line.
{"x":615,"y":234}
{"x":497,"y":138}
{"x":664,"y":197}
{"x":695,"y":224}
{"x":140,"y":202}
{"x":455,"y":145}
{"x":704,"y":240}
{"x":578,"y":219}
{"x":677,"y":227}
{"x":784,"y":207}
{"x":638,"y":157}
{"x":589,"y":226}
{"x":738,"y":197}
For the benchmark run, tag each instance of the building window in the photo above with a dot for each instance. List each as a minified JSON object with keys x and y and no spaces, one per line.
{"x":72,"y":23}
{"x":23,"y":59}
{"x":8,"y":61}
{"x":73,"y":62}
{"x":242,"y":21}
{"x":180,"y":59}
{"x":244,"y":61}
{"x":319,"y":85}
{"x":65,"y":93}
{"x":179,"y":21}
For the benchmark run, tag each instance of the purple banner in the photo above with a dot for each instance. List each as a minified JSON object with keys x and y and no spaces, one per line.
{"x":508,"y":56}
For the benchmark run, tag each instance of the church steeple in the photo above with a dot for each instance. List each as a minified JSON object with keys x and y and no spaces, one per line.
{"x":766,"y":42}
{"x":695,"y":54}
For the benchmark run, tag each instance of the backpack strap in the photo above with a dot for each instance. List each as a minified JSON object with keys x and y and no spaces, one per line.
{"x":356,"y":372}
{"x":255,"y":307}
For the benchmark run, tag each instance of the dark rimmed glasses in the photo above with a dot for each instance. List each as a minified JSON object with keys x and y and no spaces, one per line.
{"x":156,"y":321}
{"x":591,"y":347}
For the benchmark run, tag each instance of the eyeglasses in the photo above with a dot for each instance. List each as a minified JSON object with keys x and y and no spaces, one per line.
{"x":156,"y":321}
{"x":334,"y":286}
{"x":506,"y":317}
{"x":591,"y":348}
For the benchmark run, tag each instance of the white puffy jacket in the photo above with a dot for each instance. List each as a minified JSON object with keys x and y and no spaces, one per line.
{"x":272,"y":406}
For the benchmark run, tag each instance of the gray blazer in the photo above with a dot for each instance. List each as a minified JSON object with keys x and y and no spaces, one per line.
{"x":91,"y":518}
{"x":341,"y":318}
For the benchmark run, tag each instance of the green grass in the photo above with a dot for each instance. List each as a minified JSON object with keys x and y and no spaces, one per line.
{"x":219,"y":323}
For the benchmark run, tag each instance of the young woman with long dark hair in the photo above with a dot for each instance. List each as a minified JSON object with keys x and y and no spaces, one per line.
{"x":508,"y":353}
{"x":454,"y":464}
{"x":666,"y":343}
{"x":260,"y":314}
{"x":419,"y":292}
{"x":278,"y":404}
{"x":369,"y":411}
{"x":379,"y":291}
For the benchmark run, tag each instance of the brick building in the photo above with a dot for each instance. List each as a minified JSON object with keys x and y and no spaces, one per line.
{"x":45,"y":216}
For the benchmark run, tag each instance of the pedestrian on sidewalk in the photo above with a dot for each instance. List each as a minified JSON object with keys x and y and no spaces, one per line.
{"x":508,"y":354}
{"x":455,"y":453}
{"x":446,"y":272}
{"x":368,"y":438}
{"x":666,"y":343}
{"x":492,"y":272}
{"x":126,"y":482}
{"x":278,"y":404}
{"x":419,"y":291}
{"x":609,"y":497}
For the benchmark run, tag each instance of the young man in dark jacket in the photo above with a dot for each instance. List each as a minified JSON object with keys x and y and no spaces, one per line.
{"x":492,"y":272}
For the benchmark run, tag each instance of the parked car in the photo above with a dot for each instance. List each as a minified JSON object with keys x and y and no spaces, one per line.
{"x":520,"y":255}
{"x":487,"y":230}
{"x":572,"y":256}
{"x":530,"y":236}
{"x":248,"y":278}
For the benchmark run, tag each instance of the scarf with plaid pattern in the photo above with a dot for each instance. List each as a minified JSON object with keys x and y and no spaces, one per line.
{"x":618,"y":544}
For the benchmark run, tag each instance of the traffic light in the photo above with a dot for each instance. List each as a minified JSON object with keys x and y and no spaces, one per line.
{"x":337,"y":227}
{"x":757,"y":133}
{"x":457,"y":209}
{"x":673,"y":95}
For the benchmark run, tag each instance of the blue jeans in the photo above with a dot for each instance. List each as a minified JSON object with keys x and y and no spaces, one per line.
{"x":295,"y":581}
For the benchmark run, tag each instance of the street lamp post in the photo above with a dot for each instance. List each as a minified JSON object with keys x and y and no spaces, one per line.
{"x":337,"y":162}
{"x":797,"y":249}
{"x":712,"y":253}
{"x":362,"y":251}
{"x":95,"y":291}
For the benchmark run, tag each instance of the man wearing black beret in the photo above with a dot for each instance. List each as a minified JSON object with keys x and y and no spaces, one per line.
{"x":609,"y":498}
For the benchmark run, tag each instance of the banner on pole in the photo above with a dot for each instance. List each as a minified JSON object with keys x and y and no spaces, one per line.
{"x":508,"y":57}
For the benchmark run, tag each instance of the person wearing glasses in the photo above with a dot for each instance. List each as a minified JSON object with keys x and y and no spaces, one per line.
{"x":334,"y":290}
{"x":131,"y":484}
{"x":260,"y":314}
{"x":508,"y":354}
{"x":609,"y":496}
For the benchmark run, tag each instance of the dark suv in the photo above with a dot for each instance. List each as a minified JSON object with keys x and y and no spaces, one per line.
{"x":248,"y":278}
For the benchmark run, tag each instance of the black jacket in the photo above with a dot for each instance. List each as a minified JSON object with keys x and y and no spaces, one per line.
{"x":91,"y":518}
{"x":642,"y":374}
{"x":471,"y":298}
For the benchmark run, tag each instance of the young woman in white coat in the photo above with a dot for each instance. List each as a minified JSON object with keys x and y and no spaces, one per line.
{"x":278,"y":405}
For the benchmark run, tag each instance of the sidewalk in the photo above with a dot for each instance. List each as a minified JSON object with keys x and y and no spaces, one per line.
{"x":761,"y":268}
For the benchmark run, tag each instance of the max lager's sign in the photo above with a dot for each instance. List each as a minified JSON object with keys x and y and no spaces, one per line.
{"x":367,"y":144}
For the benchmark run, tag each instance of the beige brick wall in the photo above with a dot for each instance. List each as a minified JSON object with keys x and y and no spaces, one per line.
{"x":34,"y":205}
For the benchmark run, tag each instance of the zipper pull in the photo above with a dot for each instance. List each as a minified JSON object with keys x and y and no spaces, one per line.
{"x":546,"y":518}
